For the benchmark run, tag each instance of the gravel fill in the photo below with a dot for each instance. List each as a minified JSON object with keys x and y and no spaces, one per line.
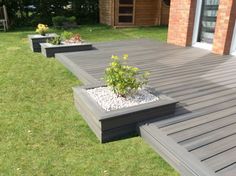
{"x":109,"y":101}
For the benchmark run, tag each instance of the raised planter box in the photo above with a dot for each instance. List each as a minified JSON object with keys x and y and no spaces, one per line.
{"x":112,"y":125}
{"x":50,"y":50}
{"x":35,"y":40}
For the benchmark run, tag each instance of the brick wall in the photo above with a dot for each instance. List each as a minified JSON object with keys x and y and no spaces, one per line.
{"x":181,"y":22}
{"x":224,"y":26}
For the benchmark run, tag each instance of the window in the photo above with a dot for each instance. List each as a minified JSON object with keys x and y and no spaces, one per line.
{"x":126,"y":11}
{"x":126,"y":1}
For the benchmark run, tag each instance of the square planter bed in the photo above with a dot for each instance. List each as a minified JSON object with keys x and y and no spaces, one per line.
{"x":120,"y":123}
{"x":36,"y":39}
{"x":49,"y":50}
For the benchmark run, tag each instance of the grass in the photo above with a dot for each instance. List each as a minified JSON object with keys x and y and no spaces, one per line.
{"x":41,"y":133}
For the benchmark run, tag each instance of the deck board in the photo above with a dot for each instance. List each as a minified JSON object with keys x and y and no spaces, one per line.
{"x":204,"y":124}
{"x":213,"y":149}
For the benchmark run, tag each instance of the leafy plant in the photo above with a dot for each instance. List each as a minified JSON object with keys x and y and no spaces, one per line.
{"x":76,"y":38}
{"x":42,"y":29}
{"x":58,"y":20}
{"x":124,"y":80}
{"x":66,"y":35}
{"x":71,"y":19}
{"x":55,"y":41}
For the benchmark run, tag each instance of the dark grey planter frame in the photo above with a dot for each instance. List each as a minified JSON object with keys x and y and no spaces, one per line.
{"x":113,"y":125}
{"x":36,"y":39}
{"x":49,"y":50}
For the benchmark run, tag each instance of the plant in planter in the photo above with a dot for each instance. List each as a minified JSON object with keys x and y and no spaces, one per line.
{"x":42,"y":29}
{"x":74,"y":39}
{"x":67,"y":42}
{"x":55,"y":41}
{"x":115,"y":109}
{"x":124,"y":80}
{"x":41,"y":37}
{"x":66,"y":35}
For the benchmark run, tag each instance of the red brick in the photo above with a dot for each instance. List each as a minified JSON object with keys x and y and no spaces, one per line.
{"x":181,"y":23}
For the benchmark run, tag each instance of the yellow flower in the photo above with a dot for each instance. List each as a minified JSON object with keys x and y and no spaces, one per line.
{"x":125,"y":56}
{"x":113,"y":64}
{"x":114,"y":57}
{"x":40,"y":25}
{"x":42,"y":28}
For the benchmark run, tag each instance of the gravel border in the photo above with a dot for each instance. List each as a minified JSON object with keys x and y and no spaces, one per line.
{"x":109,"y":101}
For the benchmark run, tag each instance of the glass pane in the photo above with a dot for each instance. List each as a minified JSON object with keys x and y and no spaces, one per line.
{"x":125,"y":19}
{"x":126,"y":10}
{"x":211,"y":2}
{"x":208,"y":20}
{"x":126,"y":1}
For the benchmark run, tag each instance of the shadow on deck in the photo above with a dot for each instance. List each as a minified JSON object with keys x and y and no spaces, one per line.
{"x":200,"y":138}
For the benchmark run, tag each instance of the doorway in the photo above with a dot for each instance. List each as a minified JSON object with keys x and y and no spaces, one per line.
{"x":125,"y":12}
{"x":208,"y":21}
{"x":205,"y":23}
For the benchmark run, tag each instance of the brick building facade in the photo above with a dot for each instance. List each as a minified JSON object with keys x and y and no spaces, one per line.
{"x":210,"y":22}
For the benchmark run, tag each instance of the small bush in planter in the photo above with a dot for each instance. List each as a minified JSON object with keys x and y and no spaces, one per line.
{"x":124,"y":80}
{"x":55,"y":41}
{"x":76,"y":38}
{"x":42,"y":29}
{"x":66,"y":38}
{"x":66,"y":35}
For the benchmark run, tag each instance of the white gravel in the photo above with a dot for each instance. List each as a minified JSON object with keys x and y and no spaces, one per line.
{"x":109,"y":101}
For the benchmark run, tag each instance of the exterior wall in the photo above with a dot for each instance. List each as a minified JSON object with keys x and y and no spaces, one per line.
{"x":181,"y":22}
{"x":146,"y":12}
{"x":224,"y":27}
{"x":105,"y":10}
{"x":165,"y":12}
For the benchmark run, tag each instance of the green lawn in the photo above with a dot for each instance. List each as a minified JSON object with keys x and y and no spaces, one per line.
{"x":41,"y":133}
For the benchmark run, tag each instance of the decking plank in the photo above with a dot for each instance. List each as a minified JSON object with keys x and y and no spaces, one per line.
{"x":229,"y":171}
{"x":199,"y":121}
{"x":213,"y":136}
{"x":195,"y":114}
{"x":222,"y":160}
{"x":213,"y":149}
{"x":205,"y":128}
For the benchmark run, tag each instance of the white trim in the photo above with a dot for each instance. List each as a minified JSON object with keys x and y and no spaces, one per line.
{"x":233,"y":43}
{"x":197,"y":21}
{"x":203,"y":45}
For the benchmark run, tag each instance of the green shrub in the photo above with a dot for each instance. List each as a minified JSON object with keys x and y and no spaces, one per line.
{"x":61,"y":21}
{"x":66,"y":35}
{"x":55,"y":41}
{"x":71,"y":19}
{"x":124,"y":80}
{"x":58,"y":20}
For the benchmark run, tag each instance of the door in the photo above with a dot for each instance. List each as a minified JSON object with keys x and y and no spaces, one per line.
{"x":208,"y":21}
{"x":125,"y":10}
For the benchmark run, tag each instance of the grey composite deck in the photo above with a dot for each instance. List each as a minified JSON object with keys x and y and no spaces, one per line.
{"x":200,"y":138}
